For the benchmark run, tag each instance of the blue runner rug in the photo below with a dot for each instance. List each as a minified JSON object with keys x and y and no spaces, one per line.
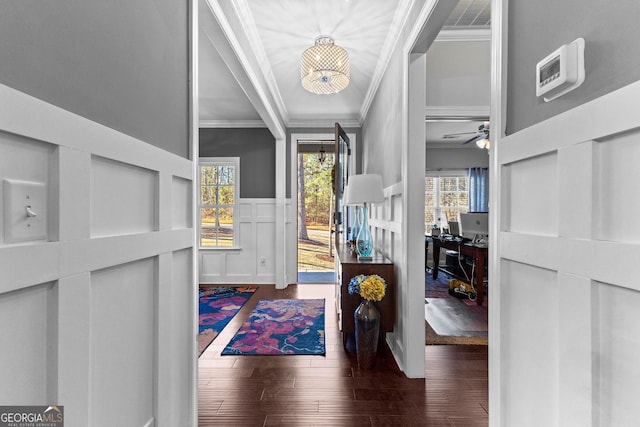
{"x":281,"y":327}
{"x":217,"y":307}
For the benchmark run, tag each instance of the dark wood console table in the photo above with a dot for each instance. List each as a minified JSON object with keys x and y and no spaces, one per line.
{"x":348,"y":266}
{"x":478,"y":253}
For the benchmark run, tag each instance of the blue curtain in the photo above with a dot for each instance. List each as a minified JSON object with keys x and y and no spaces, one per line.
{"x":478,"y":190}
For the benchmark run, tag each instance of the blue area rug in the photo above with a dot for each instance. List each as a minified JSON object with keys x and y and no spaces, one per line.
{"x":281,"y":327}
{"x":438,"y":288}
{"x":217,"y":306}
{"x":316,"y":277}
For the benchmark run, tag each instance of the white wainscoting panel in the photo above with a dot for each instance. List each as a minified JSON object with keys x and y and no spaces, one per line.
{"x":179,"y":368}
{"x":211,"y":265}
{"x":122,"y":310}
{"x":256,"y":233}
{"x":28,"y":341}
{"x":123,"y":198}
{"x":618,"y":347}
{"x":386,"y":227}
{"x":567,"y":290}
{"x":265,"y":236}
{"x":238,"y":268}
{"x":83,"y":311}
{"x":182,"y":205}
{"x":532,"y":345}
{"x":534,"y":201}
{"x":616,"y":179}
{"x":576,"y":206}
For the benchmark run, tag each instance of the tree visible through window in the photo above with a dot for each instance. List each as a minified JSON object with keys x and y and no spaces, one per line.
{"x":218,"y":196}
{"x":445,"y":197}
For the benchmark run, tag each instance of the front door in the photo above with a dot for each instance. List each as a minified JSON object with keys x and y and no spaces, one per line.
{"x":341,"y":175}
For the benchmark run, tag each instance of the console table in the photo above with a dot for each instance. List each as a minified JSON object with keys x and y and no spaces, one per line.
{"x":479,"y":254}
{"x":347,"y":266}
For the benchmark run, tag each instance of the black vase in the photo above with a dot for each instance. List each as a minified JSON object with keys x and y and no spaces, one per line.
{"x":367,"y":321}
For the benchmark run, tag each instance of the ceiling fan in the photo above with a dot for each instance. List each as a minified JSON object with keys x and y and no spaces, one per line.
{"x":481,"y":136}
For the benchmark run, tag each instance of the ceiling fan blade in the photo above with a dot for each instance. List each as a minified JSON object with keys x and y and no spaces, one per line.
{"x":474,"y":139}
{"x":453,"y":135}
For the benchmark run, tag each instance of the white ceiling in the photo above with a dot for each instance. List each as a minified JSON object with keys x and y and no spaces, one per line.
{"x":279,"y":31}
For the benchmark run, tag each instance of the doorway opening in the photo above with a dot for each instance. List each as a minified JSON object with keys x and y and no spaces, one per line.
{"x":455,"y":182}
{"x":315,"y":162}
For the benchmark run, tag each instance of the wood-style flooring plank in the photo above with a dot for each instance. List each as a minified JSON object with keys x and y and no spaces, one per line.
{"x":331,"y":390}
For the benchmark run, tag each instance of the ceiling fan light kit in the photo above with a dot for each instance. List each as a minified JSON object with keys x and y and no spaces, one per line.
{"x":482,"y":137}
{"x":325,"y":67}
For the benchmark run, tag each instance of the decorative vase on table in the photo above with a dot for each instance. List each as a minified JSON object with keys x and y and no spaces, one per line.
{"x":364,"y":240}
{"x":355,"y":228}
{"x":367,"y":323}
{"x":366,"y":317}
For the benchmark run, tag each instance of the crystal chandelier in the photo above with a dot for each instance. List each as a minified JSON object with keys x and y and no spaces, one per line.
{"x":325,"y":67}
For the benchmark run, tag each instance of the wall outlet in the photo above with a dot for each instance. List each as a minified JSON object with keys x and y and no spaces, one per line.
{"x":25,"y":211}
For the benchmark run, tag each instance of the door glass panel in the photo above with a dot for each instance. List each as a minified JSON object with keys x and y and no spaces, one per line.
{"x":341,"y":175}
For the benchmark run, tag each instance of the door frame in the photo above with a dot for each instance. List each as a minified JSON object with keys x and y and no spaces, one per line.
{"x":499,"y":33}
{"x":293,"y":169}
{"x":424,"y":31}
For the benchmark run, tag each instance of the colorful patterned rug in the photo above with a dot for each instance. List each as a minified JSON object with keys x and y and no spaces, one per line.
{"x":438,"y":288}
{"x":281,"y":327}
{"x":218,"y":305}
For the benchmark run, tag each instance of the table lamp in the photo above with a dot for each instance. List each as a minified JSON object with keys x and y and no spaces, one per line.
{"x":355,"y":228}
{"x":363,"y":190}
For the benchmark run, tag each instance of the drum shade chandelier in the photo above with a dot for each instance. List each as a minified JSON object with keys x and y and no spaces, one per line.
{"x":325,"y":67}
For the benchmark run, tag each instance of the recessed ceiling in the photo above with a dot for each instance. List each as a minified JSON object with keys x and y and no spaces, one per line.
{"x":285,"y":28}
{"x":470,"y":14}
{"x":220,"y":96}
{"x":280,"y":30}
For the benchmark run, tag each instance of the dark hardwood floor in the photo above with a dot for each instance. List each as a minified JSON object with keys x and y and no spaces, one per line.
{"x":330,"y":390}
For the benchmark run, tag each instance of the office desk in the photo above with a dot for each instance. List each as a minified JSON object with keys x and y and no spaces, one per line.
{"x":479,"y":255}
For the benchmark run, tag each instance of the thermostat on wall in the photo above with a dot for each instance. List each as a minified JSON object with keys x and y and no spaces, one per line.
{"x":561,"y":71}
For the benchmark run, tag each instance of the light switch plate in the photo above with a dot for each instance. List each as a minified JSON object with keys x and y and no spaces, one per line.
{"x":18,"y":226}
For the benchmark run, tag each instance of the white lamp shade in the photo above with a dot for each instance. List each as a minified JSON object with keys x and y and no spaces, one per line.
{"x":346,"y":200}
{"x":365,"y":188}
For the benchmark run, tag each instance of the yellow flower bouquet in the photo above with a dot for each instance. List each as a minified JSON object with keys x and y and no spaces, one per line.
{"x":373,"y":288}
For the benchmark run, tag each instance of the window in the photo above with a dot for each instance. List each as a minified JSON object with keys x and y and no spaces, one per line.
{"x":445,"y":197}
{"x":218,"y":197}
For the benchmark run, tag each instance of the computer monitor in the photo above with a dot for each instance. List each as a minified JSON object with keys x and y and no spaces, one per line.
{"x":474,"y":225}
{"x":454,"y":228}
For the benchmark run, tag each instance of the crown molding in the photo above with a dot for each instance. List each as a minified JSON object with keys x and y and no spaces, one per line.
{"x":399,"y":20}
{"x":251,"y":31}
{"x":465,"y":35}
{"x":323,"y":123}
{"x":232,"y":124}
{"x":218,"y":28}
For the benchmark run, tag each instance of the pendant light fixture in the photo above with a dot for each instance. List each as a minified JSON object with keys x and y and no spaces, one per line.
{"x":325,"y":67}
{"x":322,"y":154}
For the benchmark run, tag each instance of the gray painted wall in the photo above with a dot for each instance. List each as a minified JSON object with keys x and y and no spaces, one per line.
{"x":256,"y":148}
{"x":125,"y":67}
{"x":536,"y":29}
{"x":456,"y":158}
{"x":459,"y":73}
{"x":382,"y":130}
